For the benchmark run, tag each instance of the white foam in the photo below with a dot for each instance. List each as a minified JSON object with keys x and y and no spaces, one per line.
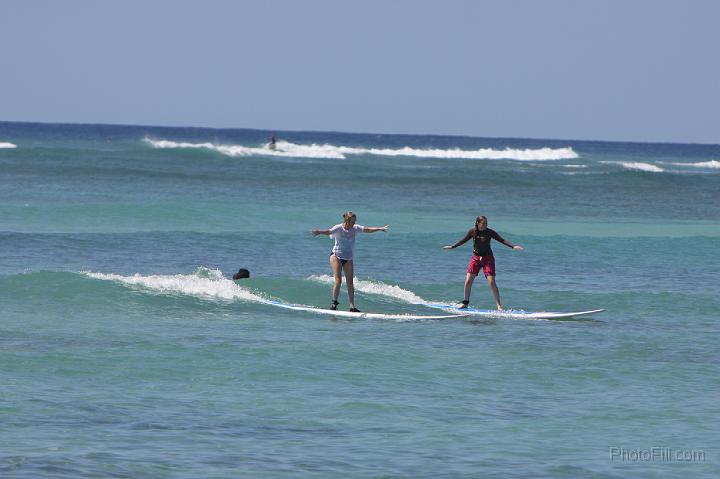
{"x":539,"y":154}
{"x":287,"y":149}
{"x":376,"y":287}
{"x":703,"y":164}
{"x":205,"y":283}
{"x":636,"y":165}
{"x":396,"y":292}
{"x":5,"y":144}
{"x":282,"y":149}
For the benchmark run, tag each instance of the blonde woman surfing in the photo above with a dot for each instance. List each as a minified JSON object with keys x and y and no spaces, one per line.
{"x":341,"y":256}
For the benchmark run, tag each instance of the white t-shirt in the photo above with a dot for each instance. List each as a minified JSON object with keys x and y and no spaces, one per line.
{"x":344,"y":240}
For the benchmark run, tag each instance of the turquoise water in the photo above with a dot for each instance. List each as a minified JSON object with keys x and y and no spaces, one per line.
{"x":126,"y":352}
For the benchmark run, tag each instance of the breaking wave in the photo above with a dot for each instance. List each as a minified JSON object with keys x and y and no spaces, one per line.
{"x":377,"y":287}
{"x":703,"y":164}
{"x":287,"y":149}
{"x":637,"y":166}
{"x":205,"y":283}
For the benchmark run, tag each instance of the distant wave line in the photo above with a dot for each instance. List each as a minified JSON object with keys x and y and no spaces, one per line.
{"x":5,"y":144}
{"x":636,"y":165}
{"x":703,"y":164}
{"x":287,"y":149}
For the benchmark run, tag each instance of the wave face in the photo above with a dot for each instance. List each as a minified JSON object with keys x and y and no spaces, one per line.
{"x":287,"y":149}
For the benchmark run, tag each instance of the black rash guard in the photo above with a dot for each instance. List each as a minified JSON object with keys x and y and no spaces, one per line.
{"x":481,"y":242}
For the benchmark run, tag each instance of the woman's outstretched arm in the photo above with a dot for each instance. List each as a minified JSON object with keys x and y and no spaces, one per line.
{"x":462,"y":241}
{"x":373,"y":229}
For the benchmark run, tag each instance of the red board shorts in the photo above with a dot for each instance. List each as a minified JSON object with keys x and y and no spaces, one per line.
{"x":487,"y":263}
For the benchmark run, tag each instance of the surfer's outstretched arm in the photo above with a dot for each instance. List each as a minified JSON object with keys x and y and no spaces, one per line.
{"x":462,"y":241}
{"x":320,"y":232}
{"x":499,"y":238}
{"x":373,"y":229}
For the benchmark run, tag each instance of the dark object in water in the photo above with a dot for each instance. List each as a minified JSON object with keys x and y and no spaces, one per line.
{"x":242,"y":273}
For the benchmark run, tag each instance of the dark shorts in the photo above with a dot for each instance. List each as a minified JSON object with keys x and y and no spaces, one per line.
{"x":342,"y":261}
{"x":487,"y":263}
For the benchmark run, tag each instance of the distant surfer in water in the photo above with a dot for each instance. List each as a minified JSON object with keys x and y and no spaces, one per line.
{"x":482,"y":258}
{"x":341,"y":256}
{"x":271,"y":145}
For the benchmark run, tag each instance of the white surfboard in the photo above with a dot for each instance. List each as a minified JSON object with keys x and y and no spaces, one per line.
{"x":360,"y":315}
{"x":511,"y":313}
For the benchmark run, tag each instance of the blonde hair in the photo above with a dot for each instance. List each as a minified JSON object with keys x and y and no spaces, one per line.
{"x":347,"y":216}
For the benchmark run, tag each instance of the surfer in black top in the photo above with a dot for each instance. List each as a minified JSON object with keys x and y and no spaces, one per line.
{"x":482,"y":258}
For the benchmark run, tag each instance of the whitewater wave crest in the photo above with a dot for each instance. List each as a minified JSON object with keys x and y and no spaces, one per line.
{"x":377,"y":287}
{"x":205,"y":283}
{"x":287,"y":149}
{"x":703,"y":164}
{"x":398,"y":293}
{"x":636,"y":165}
{"x":282,"y":149}
{"x":5,"y":144}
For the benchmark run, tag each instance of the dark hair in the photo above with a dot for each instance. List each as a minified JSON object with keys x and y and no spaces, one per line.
{"x":477,"y":220}
{"x":242,"y":273}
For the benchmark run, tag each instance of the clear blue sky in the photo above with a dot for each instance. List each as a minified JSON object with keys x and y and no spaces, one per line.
{"x":597,"y":69}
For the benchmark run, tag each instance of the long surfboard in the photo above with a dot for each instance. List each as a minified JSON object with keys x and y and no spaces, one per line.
{"x":512,"y":314}
{"x":360,"y":315}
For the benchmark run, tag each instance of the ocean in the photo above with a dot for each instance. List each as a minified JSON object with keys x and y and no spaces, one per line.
{"x":126,"y":350}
